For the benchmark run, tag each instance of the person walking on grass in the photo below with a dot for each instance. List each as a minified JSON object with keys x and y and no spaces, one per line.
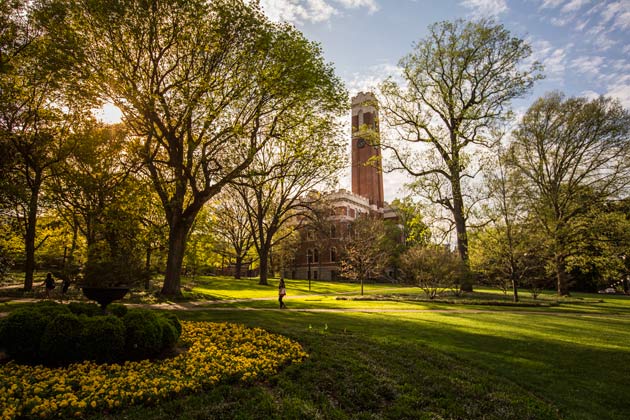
{"x":49,"y":282}
{"x":282,"y":291}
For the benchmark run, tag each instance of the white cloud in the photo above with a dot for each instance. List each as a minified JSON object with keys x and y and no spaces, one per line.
{"x":298,"y":11}
{"x":574,"y":5}
{"x":370,"y":5}
{"x":621,"y":91}
{"x":589,"y":94}
{"x":486,"y":7}
{"x":371,"y":77}
{"x":553,"y":59}
{"x":551,"y":4}
{"x":588,"y":64}
{"x":617,"y":12}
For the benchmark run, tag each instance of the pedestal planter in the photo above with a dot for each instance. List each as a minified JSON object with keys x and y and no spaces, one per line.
{"x":104,"y":295}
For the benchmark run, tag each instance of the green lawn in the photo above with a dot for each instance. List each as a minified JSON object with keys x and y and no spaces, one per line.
{"x":398,"y":359}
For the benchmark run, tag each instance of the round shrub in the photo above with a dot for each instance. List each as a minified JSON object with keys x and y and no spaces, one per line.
{"x":22,"y":331}
{"x":117,"y":309}
{"x":103,"y":339}
{"x":61,"y":339}
{"x":83,"y":308}
{"x":169,"y":333}
{"x":172,"y":318}
{"x":143,"y":334}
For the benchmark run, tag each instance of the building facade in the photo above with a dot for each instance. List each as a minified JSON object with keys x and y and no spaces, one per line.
{"x":319,"y":251}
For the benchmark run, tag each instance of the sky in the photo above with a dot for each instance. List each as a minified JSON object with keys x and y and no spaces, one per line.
{"x":584,"y":45}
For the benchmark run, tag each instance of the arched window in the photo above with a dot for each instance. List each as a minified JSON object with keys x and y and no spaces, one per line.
{"x":333,"y":254}
{"x":316,"y":255}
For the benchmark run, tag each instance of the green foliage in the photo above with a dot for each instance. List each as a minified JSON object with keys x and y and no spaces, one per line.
{"x":572,"y":156}
{"x":143,"y":334}
{"x":61,"y":339}
{"x":103,"y":339}
{"x":172,"y":318}
{"x":434,"y":269}
{"x":117,"y":309}
{"x":415,"y":230}
{"x":50,"y":333}
{"x":170,"y":335}
{"x":23,"y":329}
{"x":83,"y":308}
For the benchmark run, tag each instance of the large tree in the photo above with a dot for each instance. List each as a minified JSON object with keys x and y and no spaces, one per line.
{"x":572,"y":154}
{"x":205,"y":85}
{"x":35,"y":110}
{"x":459,"y":82}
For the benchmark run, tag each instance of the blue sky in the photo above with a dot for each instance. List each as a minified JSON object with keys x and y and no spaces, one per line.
{"x":583,"y":44}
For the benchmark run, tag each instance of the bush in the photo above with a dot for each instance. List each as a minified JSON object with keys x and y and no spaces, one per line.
{"x":82,"y":308}
{"x":169,"y":333}
{"x":434,"y":269}
{"x":60,"y":343}
{"x":117,"y":309}
{"x":172,"y":318}
{"x":52,"y":334}
{"x":22,"y":330}
{"x":103,"y":339}
{"x":143,"y":334}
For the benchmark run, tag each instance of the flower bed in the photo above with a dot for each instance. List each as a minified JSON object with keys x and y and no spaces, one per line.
{"x":216,"y":352}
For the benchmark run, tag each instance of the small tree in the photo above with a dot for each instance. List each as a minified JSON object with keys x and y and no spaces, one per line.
{"x":434,"y":269}
{"x":364,"y":252}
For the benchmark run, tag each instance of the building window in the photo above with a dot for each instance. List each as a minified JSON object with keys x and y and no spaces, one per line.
{"x":315,"y":275}
{"x":333,"y":254}
{"x":309,"y":256}
{"x":333,"y":231}
{"x":316,"y":255}
{"x":352,"y":213}
{"x":310,"y":235}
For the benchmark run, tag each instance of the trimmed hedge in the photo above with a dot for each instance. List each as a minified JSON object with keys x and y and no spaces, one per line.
{"x":103,"y":339}
{"x":56,"y":334}
{"x":143,"y":336}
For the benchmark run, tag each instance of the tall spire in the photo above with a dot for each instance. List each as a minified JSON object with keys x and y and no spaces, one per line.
{"x":367,"y":172}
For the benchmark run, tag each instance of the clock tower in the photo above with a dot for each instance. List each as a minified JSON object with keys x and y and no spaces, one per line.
{"x":367,"y":173}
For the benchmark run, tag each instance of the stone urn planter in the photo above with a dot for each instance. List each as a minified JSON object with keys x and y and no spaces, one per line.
{"x":104,"y":295}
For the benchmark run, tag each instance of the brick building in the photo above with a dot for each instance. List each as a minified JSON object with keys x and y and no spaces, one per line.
{"x":318,"y":254}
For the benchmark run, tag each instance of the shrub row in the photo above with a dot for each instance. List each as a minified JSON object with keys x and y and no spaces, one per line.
{"x":55,"y":334}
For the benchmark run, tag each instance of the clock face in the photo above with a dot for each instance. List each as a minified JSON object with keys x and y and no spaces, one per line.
{"x":361,"y":143}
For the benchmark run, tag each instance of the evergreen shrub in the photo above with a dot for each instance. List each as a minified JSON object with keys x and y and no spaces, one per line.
{"x":103,"y":339}
{"x":59,"y":334}
{"x":84,"y":308}
{"x":60,"y":343}
{"x":143,"y":334}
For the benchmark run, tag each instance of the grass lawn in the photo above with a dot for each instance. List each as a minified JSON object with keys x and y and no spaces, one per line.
{"x":401,"y":358}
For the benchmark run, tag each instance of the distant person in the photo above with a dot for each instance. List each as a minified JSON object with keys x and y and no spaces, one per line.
{"x":49,"y":282}
{"x":282,"y":291}
{"x":65,"y":286}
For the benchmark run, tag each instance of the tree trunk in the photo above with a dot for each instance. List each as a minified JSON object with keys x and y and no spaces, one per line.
{"x":561,"y":276}
{"x":264,"y":262}
{"x":237,"y":266}
{"x":515,"y":290}
{"x":176,"y":248}
{"x":462,"y":237}
{"x":29,"y":238}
